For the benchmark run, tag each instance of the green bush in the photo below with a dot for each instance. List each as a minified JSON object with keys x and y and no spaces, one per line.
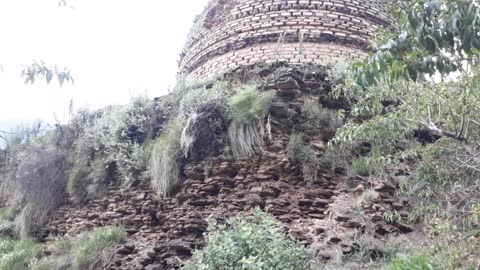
{"x":87,"y":181}
{"x":193,"y":101}
{"x":321,"y":117}
{"x":415,"y":262}
{"x":116,"y":136}
{"x":248,"y":109}
{"x":302,"y":153}
{"x":17,"y":254}
{"x":165,"y":159}
{"x":255,"y":242}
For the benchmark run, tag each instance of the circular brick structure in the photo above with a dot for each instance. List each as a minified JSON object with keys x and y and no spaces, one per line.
{"x":232,"y":33}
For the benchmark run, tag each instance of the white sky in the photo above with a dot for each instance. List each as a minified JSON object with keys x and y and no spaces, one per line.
{"x":115,"y":49}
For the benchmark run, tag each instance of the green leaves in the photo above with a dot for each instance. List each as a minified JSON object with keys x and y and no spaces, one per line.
{"x":41,"y":71}
{"x":250,"y":242}
{"x":437,"y":37}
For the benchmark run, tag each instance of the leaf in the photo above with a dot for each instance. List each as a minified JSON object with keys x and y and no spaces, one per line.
{"x":61,"y":78}
{"x":49,"y":76}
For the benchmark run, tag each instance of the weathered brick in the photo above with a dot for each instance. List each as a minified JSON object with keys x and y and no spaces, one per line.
{"x":245,"y":31}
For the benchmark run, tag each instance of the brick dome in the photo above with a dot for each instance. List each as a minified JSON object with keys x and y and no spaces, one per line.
{"x":231,"y":33}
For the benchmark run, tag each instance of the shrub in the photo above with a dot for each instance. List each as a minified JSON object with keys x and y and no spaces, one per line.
{"x":17,"y":254}
{"x":248,"y":109}
{"x":362,"y":167}
{"x":165,"y":159}
{"x":116,"y":136}
{"x":193,"y":101}
{"x":253,"y":242}
{"x":41,"y":181}
{"x":86,"y":181}
{"x":415,"y":262}
{"x":302,"y":153}
{"x":321,"y":117}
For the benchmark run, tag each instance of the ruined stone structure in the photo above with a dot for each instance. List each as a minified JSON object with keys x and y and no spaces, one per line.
{"x":232,"y":33}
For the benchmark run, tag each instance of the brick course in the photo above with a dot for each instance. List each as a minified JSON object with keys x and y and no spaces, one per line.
{"x":231,"y":33}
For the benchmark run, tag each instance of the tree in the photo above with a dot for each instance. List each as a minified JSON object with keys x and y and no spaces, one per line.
{"x":417,"y":97}
{"x":407,"y":83}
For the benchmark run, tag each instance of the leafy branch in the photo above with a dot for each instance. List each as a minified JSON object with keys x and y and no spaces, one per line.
{"x":38,"y":71}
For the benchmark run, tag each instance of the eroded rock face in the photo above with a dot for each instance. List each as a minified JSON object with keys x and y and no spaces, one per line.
{"x":163,"y":233}
{"x":233,"y":33}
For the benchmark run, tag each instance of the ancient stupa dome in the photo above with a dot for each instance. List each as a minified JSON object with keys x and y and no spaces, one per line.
{"x":231,"y":33}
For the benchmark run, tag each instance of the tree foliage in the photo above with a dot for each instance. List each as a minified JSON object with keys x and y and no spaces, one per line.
{"x":429,"y":37}
{"x":417,"y":97}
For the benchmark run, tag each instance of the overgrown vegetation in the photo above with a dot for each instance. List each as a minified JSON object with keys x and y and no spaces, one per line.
{"x":418,"y":102}
{"x":304,"y":155}
{"x":248,"y":109}
{"x":109,"y":146}
{"x":249,"y":242}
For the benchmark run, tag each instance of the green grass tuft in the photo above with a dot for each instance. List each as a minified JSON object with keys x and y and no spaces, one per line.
{"x":362,"y":167}
{"x":165,"y":159}
{"x":91,"y":247}
{"x":248,"y":109}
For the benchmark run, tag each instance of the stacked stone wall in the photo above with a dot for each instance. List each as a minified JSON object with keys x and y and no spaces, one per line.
{"x":237,"y":32}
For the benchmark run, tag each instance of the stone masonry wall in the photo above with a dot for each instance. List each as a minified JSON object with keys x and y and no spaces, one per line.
{"x":231,"y":33}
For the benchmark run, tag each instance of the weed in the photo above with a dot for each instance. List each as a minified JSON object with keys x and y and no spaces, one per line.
{"x":369,"y":196}
{"x":392,"y":217}
{"x":302,"y":153}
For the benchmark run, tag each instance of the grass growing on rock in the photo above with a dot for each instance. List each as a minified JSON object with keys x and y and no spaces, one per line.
{"x":362,"y":167}
{"x":90,"y":247}
{"x":248,"y":109}
{"x":82,"y":251}
{"x":302,"y":153}
{"x":165,"y":159}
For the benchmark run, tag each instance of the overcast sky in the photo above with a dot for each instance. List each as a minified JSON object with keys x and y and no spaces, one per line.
{"x":115,"y":49}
